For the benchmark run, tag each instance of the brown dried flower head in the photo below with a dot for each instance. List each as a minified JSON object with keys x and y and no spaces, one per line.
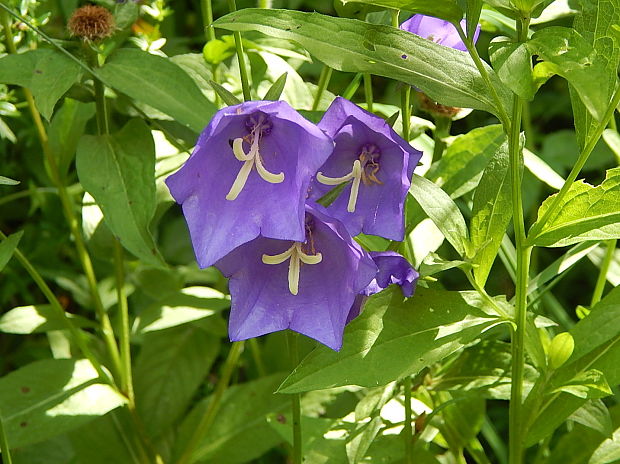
{"x":437,"y":109}
{"x":91,"y":22}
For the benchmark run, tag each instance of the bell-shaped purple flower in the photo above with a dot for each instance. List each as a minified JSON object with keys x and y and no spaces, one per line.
{"x":392,"y":268}
{"x":307,"y":286}
{"x":377,"y":164}
{"x":437,"y":30}
{"x":248,"y":176}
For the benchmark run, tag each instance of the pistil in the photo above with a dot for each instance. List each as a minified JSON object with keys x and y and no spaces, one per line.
{"x":296,"y":256}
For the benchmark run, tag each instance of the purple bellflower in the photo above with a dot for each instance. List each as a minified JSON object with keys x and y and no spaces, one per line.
{"x":392,"y":269}
{"x":248,"y":176}
{"x":437,"y":30}
{"x":307,"y":286}
{"x":377,"y":162}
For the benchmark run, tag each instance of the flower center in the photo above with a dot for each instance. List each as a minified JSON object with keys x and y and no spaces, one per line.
{"x":296,"y":255}
{"x":365,"y":170}
{"x":258,"y":126}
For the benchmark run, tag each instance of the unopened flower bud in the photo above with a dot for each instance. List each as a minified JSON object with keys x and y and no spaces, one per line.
{"x":91,"y":22}
{"x":560,"y":349}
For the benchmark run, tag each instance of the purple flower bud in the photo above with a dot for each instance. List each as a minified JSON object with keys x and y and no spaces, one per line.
{"x":377,"y":163}
{"x":437,"y":30}
{"x":307,"y":286}
{"x":392,"y":269}
{"x":248,"y":176}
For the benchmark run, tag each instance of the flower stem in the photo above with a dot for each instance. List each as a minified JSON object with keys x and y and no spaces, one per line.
{"x":408,"y":431}
{"x":4,"y":444}
{"x":123,"y":310}
{"x":368,"y":91}
{"x":207,"y":19}
{"x":75,"y":333}
{"x":442,"y":130}
{"x":243,"y":70}
{"x":291,"y":339}
{"x":581,"y":161}
{"x":258,"y":358}
{"x":324,"y":78}
{"x":203,"y":426}
{"x":405,"y":110}
{"x":602,"y":275}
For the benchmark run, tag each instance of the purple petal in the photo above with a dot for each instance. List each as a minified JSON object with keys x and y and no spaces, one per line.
{"x":437,"y":30}
{"x":262,"y":302}
{"x":293,"y":146}
{"x":393,"y":269}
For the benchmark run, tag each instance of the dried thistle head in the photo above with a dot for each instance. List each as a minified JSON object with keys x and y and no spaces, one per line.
{"x":91,"y":22}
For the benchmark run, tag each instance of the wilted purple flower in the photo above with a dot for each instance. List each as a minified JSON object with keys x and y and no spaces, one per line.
{"x":392,"y":269}
{"x":437,"y":30}
{"x":307,"y":286}
{"x":377,"y":161}
{"x":248,"y":176}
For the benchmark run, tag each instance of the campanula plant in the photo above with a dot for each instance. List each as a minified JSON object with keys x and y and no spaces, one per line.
{"x":438,"y":30}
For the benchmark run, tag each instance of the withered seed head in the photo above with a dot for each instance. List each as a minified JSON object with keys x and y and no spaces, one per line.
{"x":91,"y":22}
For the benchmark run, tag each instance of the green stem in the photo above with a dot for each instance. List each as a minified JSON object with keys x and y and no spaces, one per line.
{"x":75,"y":333}
{"x":352,"y":87}
{"x":442,"y":130}
{"x":4,"y":444}
{"x":368,"y":91}
{"x":256,"y":355}
{"x":408,"y":430}
{"x":471,"y":48}
{"x":602,"y":275}
{"x":528,"y":129}
{"x":123,"y":310}
{"x":495,"y":441}
{"x":581,"y":161}
{"x":207,"y":19}
{"x":243,"y":70}
{"x":188,"y":456}
{"x":67,"y":206}
{"x":291,"y":338}
{"x":27,"y":193}
{"x":395,"y":14}
{"x":405,"y":110}
{"x":265,"y":3}
{"x":324,"y":78}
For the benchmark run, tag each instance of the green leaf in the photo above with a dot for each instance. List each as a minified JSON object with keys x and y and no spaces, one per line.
{"x":224,"y":94}
{"x":47,"y":73}
{"x":428,"y":327}
{"x":49,"y":397}
{"x":472,"y":16}
{"x":612,"y":139}
{"x":160,"y":83}
{"x":276,"y":89}
{"x":87,"y":441}
{"x":215,"y":51}
{"x":242,"y":418}
{"x":594,"y":415}
{"x":460,"y":168}
{"x":585,"y":213}
{"x":574,"y":58}
{"x":463,"y":416}
{"x":443,"y":212}
{"x":119,"y":172}
{"x":595,"y":24}
{"x":360,"y":439}
{"x":444,"y":9}
{"x":513,"y":64}
{"x":8,"y":181}
{"x":590,"y":384}
{"x":171,"y":366}
{"x":36,"y":319}
{"x":491,"y":213}
{"x":608,"y":452}
{"x":446,"y":75}
{"x":574,"y":447}
{"x":8,"y":247}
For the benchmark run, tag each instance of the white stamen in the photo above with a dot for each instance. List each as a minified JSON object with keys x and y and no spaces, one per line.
{"x":250,"y":159}
{"x":296,"y":256}
{"x":355,"y":174}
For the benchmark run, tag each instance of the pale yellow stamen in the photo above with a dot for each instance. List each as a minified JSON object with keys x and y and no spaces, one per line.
{"x":249,"y":160}
{"x":355,"y":174}
{"x":296,"y":256}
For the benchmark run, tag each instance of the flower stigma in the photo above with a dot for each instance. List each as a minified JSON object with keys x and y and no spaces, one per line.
{"x":258,"y":126}
{"x":297,"y":255}
{"x":364,"y":170}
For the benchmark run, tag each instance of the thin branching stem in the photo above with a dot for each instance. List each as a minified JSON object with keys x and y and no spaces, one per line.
{"x":243,"y":70}
{"x":602,"y":275}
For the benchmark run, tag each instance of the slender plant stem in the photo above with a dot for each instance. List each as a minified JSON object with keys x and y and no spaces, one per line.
{"x":442,"y":130}
{"x":523,"y":265}
{"x":602,"y":275}
{"x":581,"y":161}
{"x":243,"y":70}
{"x":368,"y":91}
{"x":408,"y":430}
{"x":4,"y":444}
{"x":405,"y":111}
{"x":188,"y":456}
{"x":265,"y":3}
{"x":123,"y":310}
{"x":395,"y":15}
{"x":207,"y":19}
{"x":291,"y":338}
{"x":324,"y":78}
{"x":528,"y":129}
{"x":27,"y":193}
{"x":352,"y":87}
{"x":76,"y":335}
{"x":67,"y":206}
{"x":258,"y":358}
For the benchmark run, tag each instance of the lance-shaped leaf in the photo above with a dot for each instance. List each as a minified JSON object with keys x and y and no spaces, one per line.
{"x":444,"y":9}
{"x":8,"y":247}
{"x":428,"y":327}
{"x":445,"y":75}
{"x":119,"y":172}
{"x":585,"y":213}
